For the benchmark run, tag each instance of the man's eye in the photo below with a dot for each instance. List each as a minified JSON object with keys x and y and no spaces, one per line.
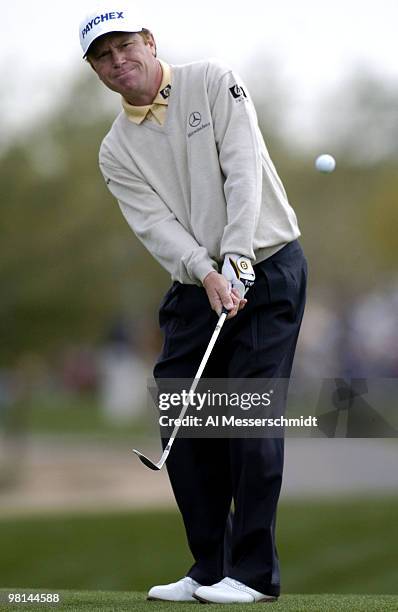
{"x":126,"y":44}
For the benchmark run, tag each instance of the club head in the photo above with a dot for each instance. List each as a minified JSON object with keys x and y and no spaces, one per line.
{"x":146,"y":461}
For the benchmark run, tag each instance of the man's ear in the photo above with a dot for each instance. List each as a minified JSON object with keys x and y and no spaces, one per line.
{"x":91,"y":64}
{"x":151,"y":42}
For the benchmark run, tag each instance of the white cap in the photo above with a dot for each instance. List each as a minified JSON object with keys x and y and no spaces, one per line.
{"x":110,"y":17}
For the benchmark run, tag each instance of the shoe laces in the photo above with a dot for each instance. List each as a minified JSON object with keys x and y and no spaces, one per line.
{"x":235,"y":584}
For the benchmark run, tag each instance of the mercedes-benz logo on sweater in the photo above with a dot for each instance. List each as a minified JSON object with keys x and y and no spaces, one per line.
{"x":194,"y":119}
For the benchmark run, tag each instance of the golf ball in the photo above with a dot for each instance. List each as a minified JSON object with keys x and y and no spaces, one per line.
{"x":325,"y":163}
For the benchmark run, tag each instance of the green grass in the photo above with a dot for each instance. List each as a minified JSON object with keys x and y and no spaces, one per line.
{"x":325,"y":546}
{"x":70,"y":414}
{"x":108,"y":601}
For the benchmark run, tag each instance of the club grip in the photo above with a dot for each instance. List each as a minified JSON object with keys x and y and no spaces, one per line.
{"x":224,"y":310}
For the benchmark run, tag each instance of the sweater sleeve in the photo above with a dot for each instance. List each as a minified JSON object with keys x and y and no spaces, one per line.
{"x":156,"y":226}
{"x":238,"y":142}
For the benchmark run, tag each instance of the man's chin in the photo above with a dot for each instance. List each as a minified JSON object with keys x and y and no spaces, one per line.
{"x":126,"y":85}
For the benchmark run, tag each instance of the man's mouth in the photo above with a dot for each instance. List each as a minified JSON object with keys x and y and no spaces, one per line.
{"x":122,"y":74}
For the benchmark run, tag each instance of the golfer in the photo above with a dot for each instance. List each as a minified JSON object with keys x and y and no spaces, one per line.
{"x":187,"y":163}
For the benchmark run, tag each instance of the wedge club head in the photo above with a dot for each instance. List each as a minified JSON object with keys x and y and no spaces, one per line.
{"x":146,"y":461}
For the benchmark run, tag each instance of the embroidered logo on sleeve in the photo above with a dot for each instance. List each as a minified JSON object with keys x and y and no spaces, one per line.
{"x":165,"y":93}
{"x":237,"y":92}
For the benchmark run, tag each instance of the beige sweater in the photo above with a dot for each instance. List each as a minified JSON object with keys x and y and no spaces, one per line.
{"x":203,"y":184}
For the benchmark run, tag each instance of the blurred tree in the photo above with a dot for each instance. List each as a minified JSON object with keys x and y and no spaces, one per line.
{"x":360,"y":117}
{"x":69,"y":260}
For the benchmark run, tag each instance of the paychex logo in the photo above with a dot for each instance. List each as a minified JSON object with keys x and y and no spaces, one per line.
{"x":101,"y":18}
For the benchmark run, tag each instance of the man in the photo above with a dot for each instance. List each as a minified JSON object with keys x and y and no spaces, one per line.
{"x":188,"y":165}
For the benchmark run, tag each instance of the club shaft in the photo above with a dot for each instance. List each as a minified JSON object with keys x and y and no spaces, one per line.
{"x":198,"y":375}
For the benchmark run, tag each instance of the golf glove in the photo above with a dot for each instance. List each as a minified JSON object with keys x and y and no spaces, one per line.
{"x":239,"y":272}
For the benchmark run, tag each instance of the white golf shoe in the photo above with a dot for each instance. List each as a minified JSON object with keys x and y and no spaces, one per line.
{"x":176,"y":591}
{"x":230,"y":591}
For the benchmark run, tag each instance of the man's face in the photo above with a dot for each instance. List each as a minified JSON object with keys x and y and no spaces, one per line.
{"x":125,"y":63}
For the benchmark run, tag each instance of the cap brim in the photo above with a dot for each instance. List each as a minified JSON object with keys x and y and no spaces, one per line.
{"x":127,"y":30}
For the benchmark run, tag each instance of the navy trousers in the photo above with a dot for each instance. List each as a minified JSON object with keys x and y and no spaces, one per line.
{"x":208,"y":475}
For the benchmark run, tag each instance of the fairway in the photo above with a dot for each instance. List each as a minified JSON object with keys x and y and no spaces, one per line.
{"x":326,"y":546}
{"x":114,"y":601}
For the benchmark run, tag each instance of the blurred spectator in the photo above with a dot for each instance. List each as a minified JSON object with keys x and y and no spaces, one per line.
{"x":123,"y":380}
{"x":372,"y":336}
{"x":78,"y":370}
{"x":317,"y":355}
{"x":359,"y":341}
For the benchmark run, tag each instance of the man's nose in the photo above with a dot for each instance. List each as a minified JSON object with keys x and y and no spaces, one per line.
{"x":118,"y":57}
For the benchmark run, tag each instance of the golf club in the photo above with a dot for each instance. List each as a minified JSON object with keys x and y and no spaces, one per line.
{"x":158,"y":466}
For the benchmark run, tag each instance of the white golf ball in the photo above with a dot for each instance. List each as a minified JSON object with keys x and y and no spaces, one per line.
{"x":325,"y":163}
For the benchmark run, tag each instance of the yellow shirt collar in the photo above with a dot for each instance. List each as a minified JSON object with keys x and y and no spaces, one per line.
{"x":137,"y":114}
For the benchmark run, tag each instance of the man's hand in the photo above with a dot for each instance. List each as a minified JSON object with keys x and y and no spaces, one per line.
{"x":239,"y":272}
{"x":219,"y":292}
